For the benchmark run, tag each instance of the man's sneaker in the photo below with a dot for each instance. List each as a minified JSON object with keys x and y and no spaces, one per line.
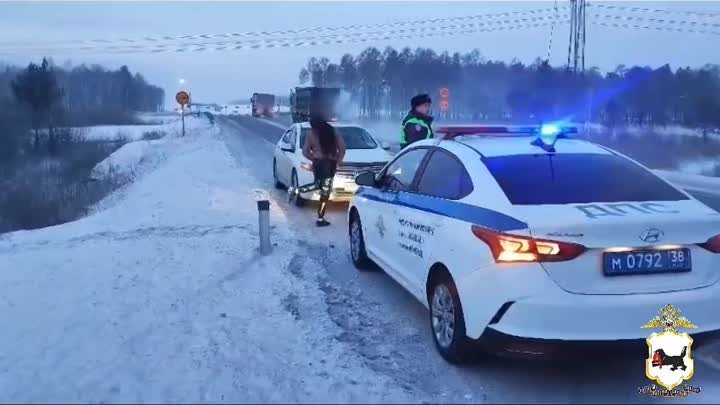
{"x":322,"y":222}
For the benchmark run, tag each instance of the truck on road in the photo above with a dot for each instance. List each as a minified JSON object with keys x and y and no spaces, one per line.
{"x":307,"y":101}
{"x":262,"y":104}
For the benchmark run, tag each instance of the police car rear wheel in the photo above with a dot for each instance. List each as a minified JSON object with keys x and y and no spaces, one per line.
{"x":447,"y":322}
{"x":357,"y":244}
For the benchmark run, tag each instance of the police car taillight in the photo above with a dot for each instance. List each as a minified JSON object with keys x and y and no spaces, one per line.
{"x":507,"y":248}
{"x":712,"y":244}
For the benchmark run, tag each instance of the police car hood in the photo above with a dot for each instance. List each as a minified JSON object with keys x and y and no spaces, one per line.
{"x":361,"y":156}
{"x":634,"y":225}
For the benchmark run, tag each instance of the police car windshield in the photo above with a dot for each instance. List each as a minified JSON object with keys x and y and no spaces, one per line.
{"x":576,"y":178}
{"x":354,"y":137}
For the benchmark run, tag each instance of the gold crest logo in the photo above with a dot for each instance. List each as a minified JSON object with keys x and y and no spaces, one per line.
{"x":669,"y":361}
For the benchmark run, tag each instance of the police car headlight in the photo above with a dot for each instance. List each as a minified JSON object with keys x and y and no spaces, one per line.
{"x":306,"y":166}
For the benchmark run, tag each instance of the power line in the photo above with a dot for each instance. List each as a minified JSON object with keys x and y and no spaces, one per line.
{"x":656,"y":28}
{"x":280,"y":42}
{"x":653,"y":10}
{"x":660,"y":20}
{"x":552,"y":31}
{"x":162,"y":38}
{"x":355,"y":39}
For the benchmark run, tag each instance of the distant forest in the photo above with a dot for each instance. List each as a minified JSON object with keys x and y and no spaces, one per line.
{"x":90,"y":95}
{"x":381,"y":84}
{"x":47,"y":97}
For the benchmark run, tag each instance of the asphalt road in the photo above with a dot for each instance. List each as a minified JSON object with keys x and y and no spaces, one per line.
{"x":390,"y":329}
{"x":272,"y":134}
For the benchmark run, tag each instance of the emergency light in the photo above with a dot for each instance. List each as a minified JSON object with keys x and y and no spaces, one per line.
{"x":547,"y":131}
{"x":548,"y":135}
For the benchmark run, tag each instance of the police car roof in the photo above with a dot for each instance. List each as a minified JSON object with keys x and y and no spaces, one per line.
{"x":521,"y":145}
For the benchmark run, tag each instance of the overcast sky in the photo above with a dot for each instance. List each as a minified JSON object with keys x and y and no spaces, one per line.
{"x":225,"y":75}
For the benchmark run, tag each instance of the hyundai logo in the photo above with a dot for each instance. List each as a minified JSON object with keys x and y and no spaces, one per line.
{"x":652,"y":235}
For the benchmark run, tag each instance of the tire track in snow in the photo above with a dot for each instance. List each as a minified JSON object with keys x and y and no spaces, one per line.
{"x":386,"y":346}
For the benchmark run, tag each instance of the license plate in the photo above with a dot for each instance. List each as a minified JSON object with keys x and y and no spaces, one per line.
{"x":647,"y":262}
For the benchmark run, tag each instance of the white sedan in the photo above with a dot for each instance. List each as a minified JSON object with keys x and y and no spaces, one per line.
{"x":526,"y":243}
{"x":291,"y":168}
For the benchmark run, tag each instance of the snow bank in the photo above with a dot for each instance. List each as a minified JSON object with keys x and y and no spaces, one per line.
{"x":691,"y":182}
{"x":169,"y":126}
{"x":157,"y":118}
{"x":134,"y":158}
{"x":705,"y":167}
{"x":116,"y":132}
{"x":127,"y":160}
{"x":236,"y":109}
{"x":162,"y":297}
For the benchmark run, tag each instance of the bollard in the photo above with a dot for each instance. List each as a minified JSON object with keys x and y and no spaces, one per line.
{"x":264,"y":224}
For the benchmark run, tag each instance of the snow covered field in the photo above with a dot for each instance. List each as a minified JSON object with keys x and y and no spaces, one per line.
{"x":170,"y":127}
{"x":135,"y":157}
{"x":692,"y":182}
{"x":161,"y":297}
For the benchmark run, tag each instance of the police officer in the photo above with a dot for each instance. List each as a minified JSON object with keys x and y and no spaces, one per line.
{"x":417,"y":124}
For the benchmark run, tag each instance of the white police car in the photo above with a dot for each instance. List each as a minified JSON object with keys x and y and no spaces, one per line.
{"x":521,"y":239}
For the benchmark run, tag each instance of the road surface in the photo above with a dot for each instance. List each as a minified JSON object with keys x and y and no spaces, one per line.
{"x":389,"y":328}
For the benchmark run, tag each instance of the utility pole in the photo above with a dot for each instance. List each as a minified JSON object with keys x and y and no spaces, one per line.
{"x":576,"y":43}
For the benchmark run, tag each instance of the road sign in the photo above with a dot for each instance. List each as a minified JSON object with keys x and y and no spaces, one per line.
{"x":444,"y":105}
{"x":444,"y":93}
{"x":182,"y":98}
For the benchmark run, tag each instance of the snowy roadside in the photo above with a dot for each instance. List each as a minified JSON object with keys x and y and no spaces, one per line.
{"x":136,"y":157}
{"x":161,"y":297}
{"x":691,"y":182}
{"x":153,"y":126}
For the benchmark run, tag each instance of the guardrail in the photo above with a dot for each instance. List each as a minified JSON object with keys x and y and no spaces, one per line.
{"x":692,"y":182}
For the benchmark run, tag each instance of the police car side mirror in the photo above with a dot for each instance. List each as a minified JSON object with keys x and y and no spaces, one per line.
{"x":385,"y":145}
{"x":365,"y":179}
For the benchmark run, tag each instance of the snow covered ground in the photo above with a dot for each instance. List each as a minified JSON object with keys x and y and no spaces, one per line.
{"x":135,"y":157}
{"x":170,"y":127}
{"x":162,"y":297}
{"x":246,"y":109}
{"x":692,"y":182}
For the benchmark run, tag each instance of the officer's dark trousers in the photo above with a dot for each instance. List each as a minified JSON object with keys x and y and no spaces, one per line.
{"x":324,"y":172}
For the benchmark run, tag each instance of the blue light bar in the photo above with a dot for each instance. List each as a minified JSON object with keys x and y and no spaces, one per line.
{"x":451,"y":132}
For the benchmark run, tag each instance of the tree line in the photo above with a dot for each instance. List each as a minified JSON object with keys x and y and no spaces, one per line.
{"x":381,"y":84}
{"x":45,"y":96}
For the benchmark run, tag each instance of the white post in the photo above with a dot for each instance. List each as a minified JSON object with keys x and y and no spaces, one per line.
{"x":264,"y":226}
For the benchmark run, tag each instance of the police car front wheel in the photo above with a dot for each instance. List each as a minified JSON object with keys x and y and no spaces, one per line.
{"x":447,"y":321}
{"x":357,"y":243}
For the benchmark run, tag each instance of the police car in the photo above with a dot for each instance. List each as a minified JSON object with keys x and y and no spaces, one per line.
{"x":363,"y":153}
{"x":524,"y":239}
